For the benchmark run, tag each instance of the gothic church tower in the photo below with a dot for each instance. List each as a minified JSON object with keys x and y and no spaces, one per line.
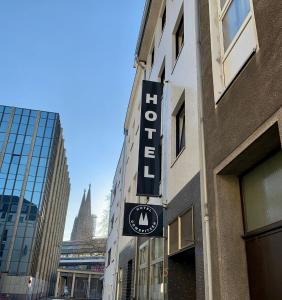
{"x":83,"y":226}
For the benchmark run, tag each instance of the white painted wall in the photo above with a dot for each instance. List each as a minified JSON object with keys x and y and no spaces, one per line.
{"x":176,"y":173}
{"x":181,"y":75}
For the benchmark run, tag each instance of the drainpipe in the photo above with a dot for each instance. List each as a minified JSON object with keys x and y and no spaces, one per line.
{"x":203,"y":176}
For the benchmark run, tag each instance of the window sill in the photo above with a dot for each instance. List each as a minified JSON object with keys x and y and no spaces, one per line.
{"x":190,"y":247}
{"x":225,"y":89}
{"x":177,"y":157}
{"x":177,"y":58}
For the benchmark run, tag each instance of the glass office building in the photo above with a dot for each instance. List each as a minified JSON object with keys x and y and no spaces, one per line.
{"x":34,"y":192}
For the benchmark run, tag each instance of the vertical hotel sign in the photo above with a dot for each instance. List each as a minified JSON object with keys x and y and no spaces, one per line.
{"x":150,"y":134}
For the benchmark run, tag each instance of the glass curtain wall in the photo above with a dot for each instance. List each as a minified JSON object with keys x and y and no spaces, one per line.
{"x":26,"y":138}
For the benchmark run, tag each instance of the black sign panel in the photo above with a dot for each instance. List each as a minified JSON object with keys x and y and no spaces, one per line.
{"x":150,"y":134}
{"x":143,"y":220}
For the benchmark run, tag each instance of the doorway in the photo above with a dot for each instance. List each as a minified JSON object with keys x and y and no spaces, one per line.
{"x":182,"y":275}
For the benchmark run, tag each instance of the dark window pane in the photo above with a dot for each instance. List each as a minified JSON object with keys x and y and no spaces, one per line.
{"x":163,"y":18}
{"x":179,"y":37}
{"x":180,"y":130}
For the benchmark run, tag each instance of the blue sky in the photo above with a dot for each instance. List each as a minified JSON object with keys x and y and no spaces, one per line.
{"x":74,"y":57}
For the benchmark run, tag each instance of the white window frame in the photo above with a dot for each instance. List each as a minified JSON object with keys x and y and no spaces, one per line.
{"x":144,"y":266}
{"x":153,"y":262}
{"x":221,"y":78}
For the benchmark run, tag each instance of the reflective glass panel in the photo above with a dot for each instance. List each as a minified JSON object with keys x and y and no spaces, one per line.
{"x":30,"y":129}
{"x":262,"y":191}
{"x":3,"y":126}
{"x":233,"y":19}
{"x":16,"y":119}
{"x":40,"y":131}
{"x":22,"y":129}
{"x":12,"y":138}
{"x":6,"y":118}
{"x":24,"y":120}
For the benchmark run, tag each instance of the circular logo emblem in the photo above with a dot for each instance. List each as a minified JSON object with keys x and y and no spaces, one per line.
{"x":143,"y":219}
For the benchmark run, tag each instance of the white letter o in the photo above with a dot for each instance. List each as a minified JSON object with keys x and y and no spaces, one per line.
{"x":151,"y":116}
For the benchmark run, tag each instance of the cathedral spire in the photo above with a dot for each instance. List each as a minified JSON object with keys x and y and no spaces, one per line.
{"x":83,"y":224}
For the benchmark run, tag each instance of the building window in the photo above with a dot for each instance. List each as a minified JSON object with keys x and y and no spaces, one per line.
{"x":238,"y":40}
{"x":143,"y":271}
{"x":179,"y":37}
{"x":112,"y":222}
{"x":109,"y":257}
{"x":232,"y":18}
{"x":162,"y":76}
{"x":5,"y":234}
{"x":152,"y":57}
{"x":163,"y":19}
{"x":180,"y":129}
{"x":262,"y":190}
{"x":156,"y":269}
{"x":181,"y":232}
